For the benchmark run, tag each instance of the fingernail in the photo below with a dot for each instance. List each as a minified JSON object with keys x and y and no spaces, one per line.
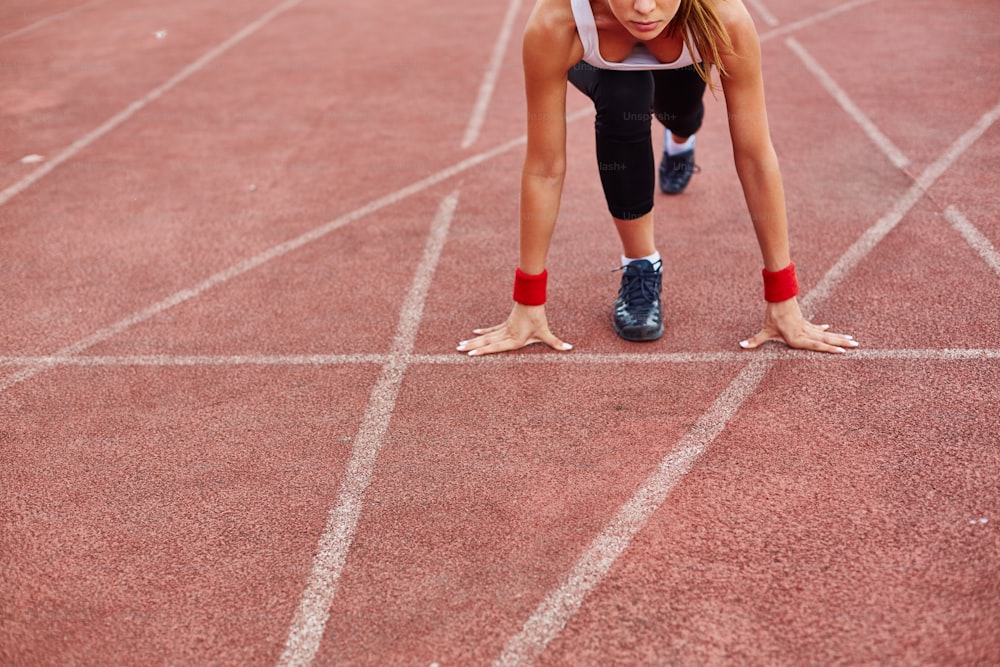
{"x":473,"y":353}
{"x":567,"y":346}
{"x":461,"y":347}
{"x":849,"y":337}
{"x":745,"y":344}
{"x":853,"y":343}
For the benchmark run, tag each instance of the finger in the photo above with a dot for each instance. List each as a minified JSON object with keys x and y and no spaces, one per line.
{"x":488,"y":330}
{"x":502,"y":345}
{"x":761,"y":337}
{"x":556,"y":344}
{"x":822,"y":332}
{"x":481,"y":341}
{"x":817,"y":328}
{"x":830,"y":343}
{"x":840,"y":340}
{"x":816,"y":345}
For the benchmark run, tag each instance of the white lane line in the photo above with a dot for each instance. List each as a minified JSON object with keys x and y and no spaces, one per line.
{"x":138,"y":105}
{"x":950,"y":354}
{"x":379,"y":359}
{"x":874,"y":234}
{"x":812,"y":20}
{"x":490,"y":77}
{"x":550,"y":617}
{"x":763,"y":12}
{"x":589,"y":358}
{"x":974,"y":238}
{"x":883,"y":142}
{"x":309,"y":623}
{"x":775,"y":353}
{"x":49,"y":19}
{"x":202,"y":360}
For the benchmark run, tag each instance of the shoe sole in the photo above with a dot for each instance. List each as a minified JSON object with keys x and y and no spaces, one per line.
{"x":640,"y":338}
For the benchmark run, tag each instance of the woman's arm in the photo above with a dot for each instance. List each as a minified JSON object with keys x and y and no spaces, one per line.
{"x":760,"y":177}
{"x":550,"y":48}
{"x":753,"y":153}
{"x":545,"y":83}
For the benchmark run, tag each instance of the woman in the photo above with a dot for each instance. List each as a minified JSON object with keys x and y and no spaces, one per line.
{"x":630,"y":56}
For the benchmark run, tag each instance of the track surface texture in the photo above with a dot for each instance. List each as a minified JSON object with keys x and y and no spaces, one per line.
{"x":239,"y":242}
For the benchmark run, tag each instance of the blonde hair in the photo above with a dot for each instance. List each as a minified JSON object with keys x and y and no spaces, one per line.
{"x":703,"y":30}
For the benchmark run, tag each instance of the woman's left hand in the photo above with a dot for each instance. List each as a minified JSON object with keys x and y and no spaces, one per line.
{"x":783,"y":321}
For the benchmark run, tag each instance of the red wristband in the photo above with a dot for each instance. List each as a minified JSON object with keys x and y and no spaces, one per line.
{"x":780,"y":285}
{"x":529,"y":290}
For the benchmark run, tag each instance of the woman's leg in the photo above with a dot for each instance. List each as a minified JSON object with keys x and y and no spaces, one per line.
{"x":637,"y":236}
{"x":677,"y":104}
{"x":624,"y":101}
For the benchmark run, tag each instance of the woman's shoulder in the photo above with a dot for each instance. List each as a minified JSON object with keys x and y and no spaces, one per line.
{"x":553,"y":17}
{"x":551,"y":32}
{"x":734,"y":16}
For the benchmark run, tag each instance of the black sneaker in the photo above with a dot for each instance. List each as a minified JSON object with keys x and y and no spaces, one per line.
{"x":676,"y":171}
{"x":638,"y":315}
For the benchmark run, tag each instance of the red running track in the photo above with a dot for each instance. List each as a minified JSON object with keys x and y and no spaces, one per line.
{"x":234,"y":429}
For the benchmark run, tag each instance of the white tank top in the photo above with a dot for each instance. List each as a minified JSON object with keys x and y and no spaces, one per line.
{"x":639,"y":59}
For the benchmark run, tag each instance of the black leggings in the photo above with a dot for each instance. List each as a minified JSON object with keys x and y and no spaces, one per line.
{"x":626,"y":101}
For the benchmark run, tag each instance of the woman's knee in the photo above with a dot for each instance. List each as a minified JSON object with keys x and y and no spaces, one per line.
{"x":678,"y":101}
{"x":682,"y":122}
{"x":624,"y":103}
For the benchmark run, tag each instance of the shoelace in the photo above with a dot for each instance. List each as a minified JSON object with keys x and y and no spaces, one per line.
{"x":639,"y":290}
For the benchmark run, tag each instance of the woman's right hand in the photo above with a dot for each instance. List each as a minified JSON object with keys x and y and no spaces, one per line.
{"x":526,"y":325}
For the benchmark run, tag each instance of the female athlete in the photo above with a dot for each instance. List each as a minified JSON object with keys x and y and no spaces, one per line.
{"x":639,"y":59}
